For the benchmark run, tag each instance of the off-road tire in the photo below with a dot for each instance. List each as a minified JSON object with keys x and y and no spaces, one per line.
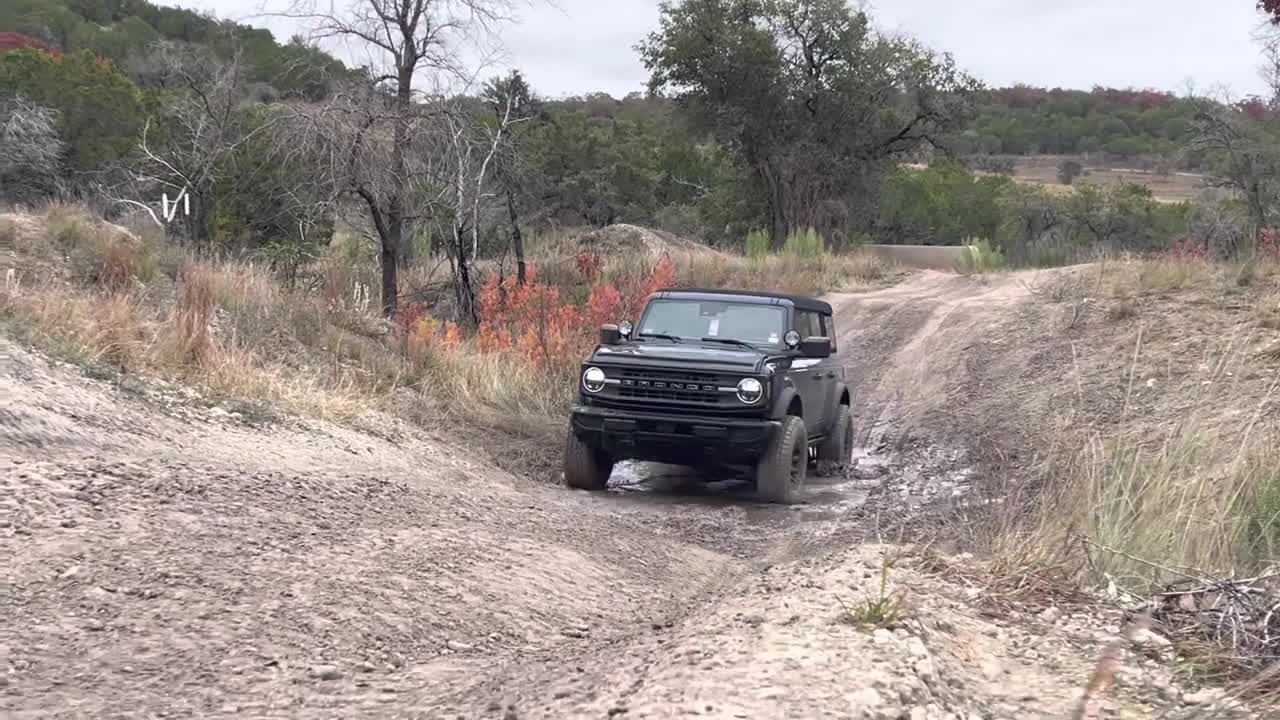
{"x":782,"y":470}
{"x":837,"y":448}
{"x":584,"y":467}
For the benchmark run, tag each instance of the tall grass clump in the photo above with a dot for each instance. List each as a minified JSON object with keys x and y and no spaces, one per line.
{"x":1202,"y":501}
{"x":981,"y":256}
{"x":758,"y":245}
{"x":804,"y":243}
{"x":191,"y":340}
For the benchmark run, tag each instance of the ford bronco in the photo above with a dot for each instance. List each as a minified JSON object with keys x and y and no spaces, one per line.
{"x":717,"y":380}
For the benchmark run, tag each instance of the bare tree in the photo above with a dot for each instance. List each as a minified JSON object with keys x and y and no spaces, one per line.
{"x":1252,"y":158}
{"x":472,"y":151}
{"x":30,"y":152}
{"x":1216,"y":225}
{"x":202,"y":128}
{"x":512,"y":102}
{"x":412,"y":45}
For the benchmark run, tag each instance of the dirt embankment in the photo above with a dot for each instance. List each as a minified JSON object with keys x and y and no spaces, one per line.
{"x":167,"y":560}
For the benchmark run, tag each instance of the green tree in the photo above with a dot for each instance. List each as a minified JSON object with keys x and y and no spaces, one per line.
{"x":100,"y":111}
{"x":806,"y":94}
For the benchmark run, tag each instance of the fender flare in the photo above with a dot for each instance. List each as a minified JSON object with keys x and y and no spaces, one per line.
{"x":782,"y":402}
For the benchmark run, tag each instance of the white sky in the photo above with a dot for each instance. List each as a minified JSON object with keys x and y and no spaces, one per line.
{"x":581,"y":46}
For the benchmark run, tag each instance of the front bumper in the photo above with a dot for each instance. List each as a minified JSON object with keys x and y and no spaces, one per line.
{"x":679,"y":440}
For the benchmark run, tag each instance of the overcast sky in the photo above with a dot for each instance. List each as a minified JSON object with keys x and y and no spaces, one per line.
{"x":581,"y":46}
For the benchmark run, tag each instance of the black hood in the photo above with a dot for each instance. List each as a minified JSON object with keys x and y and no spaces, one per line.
{"x":710,"y":356}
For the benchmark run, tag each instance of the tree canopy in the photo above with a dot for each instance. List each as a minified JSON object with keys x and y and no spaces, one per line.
{"x":806,"y":95}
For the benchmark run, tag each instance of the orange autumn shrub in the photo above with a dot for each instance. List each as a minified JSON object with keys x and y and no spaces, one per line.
{"x":539,"y":324}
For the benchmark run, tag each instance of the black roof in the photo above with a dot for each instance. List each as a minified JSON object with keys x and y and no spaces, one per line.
{"x":799,"y":301}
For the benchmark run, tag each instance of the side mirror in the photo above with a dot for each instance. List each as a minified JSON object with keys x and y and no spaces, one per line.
{"x":610,"y":335}
{"x":816,"y":347}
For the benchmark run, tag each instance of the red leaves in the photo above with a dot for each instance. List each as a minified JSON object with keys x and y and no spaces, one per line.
{"x":539,"y":324}
{"x":536,"y":321}
{"x":589,"y":264}
{"x":18,"y":41}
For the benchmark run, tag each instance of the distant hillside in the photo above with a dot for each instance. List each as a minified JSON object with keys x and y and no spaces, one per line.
{"x":122,"y":30}
{"x":1116,"y":123}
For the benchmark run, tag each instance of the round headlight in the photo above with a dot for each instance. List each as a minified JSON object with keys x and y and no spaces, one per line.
{"x":792,"y":339}
{"x":750,"y":391}
{"x":593,"y":380}
{"x":625,"y":328}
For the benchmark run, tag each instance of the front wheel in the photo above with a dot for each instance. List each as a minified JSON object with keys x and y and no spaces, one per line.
{"x":585,"y":468}
{"x":781,"y":472}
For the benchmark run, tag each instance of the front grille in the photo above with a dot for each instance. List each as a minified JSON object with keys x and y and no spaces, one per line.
{"x":680,"y":387}
{"x":650,"y":388}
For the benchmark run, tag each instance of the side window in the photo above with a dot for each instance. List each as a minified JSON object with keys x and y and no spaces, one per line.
{"x":807,"y":324}
{"x":829,"y":330}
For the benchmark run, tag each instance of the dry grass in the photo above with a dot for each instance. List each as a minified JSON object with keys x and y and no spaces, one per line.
{"x":554,"y":255}
{"x":788,"y":273}
{"x":1161,"y":463}
{"x":1180,"y":472}
{"x":108,"y":297}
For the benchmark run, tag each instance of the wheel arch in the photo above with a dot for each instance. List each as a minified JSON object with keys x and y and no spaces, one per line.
{"x":845,"y":397}
{"x":787,"y":403}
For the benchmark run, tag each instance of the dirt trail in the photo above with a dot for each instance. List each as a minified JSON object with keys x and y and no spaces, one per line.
{"x":163,"y":561}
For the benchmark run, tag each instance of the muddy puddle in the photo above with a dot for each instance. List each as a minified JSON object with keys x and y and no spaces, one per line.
{"x":826,"y":496}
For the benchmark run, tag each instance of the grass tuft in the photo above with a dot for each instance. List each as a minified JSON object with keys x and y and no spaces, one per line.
{"x":981,"y":256}
{"x":881,"y":610}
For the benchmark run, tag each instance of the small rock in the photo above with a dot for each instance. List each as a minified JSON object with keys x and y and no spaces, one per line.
{"x":617,"y":710}
{"x":456,"y":646}
{"x":326,"y":672}
{"x":1050,"y":615}
{"x":1208,"y":696}
{"x":69,"y":523}
{"x":94,"y":624}
{"x":917,"y":648}
{"x":882,"y":637}
{"x":866,"y":698}
{"x":1146,"y":638}
{"x":366,"y":667}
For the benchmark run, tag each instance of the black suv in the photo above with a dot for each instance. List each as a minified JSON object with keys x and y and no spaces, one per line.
{"x":717,"y":380}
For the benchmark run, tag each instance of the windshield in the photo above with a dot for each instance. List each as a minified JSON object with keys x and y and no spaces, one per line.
{"x":696,"y":320}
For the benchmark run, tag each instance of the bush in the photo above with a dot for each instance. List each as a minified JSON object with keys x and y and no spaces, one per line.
{"x":804,"y":243}
{"x":100,"y":253}
{"x":1068,"y":171}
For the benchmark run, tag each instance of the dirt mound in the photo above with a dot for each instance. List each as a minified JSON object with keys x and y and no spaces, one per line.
{"x":623,"y":239}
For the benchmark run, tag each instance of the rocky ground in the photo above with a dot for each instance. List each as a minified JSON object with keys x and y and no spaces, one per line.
{"x":164,"y":559}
